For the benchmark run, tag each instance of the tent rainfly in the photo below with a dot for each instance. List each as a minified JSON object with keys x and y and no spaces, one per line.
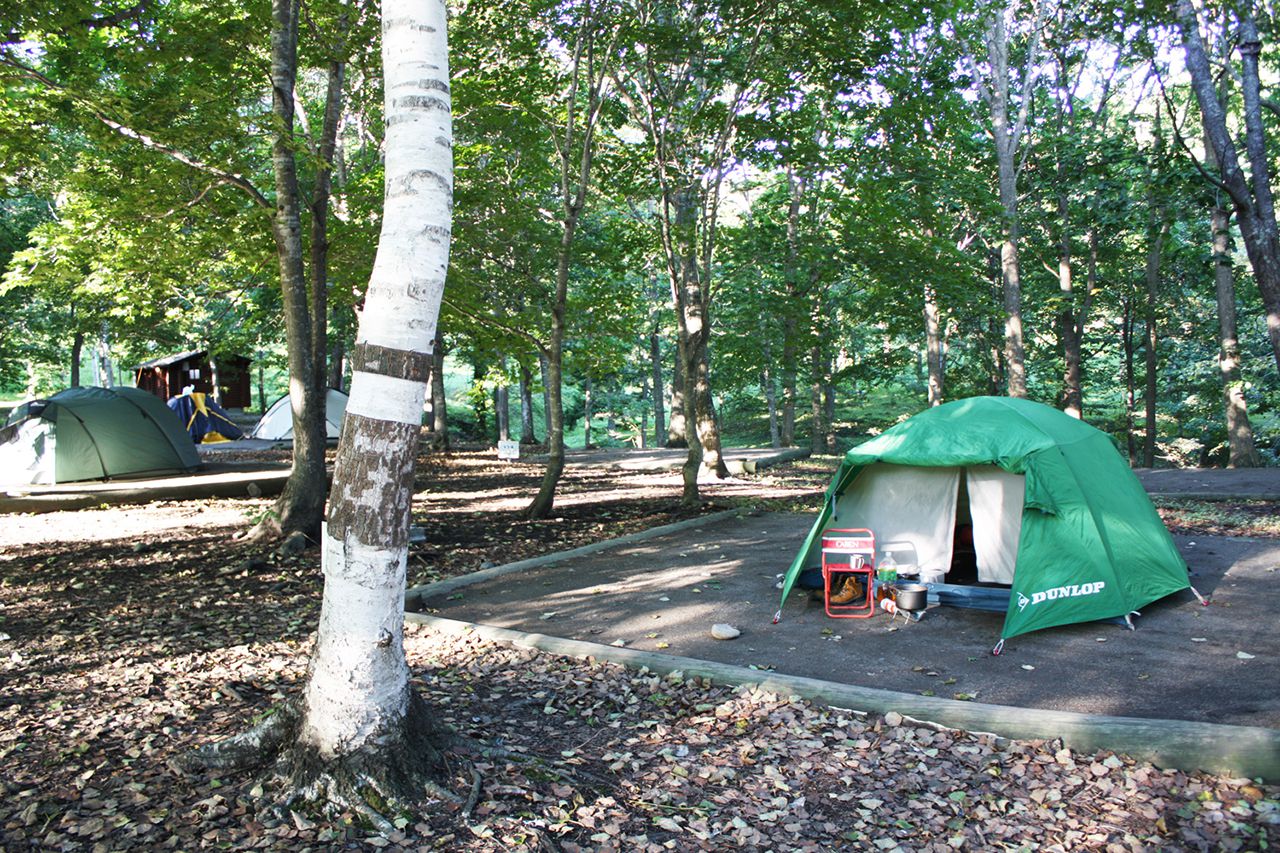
{"x":93,"y":433}
{"x":277,"y":422}
{"x":1056,"y":512}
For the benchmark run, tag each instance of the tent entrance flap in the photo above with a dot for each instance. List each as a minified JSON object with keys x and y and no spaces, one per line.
{"x":995,"y":506}
{"x":903,"y":504}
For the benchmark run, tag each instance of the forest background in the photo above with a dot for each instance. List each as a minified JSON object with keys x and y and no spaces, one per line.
{"x":871,"y":210}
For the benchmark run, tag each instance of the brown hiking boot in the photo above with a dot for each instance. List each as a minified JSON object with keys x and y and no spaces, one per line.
{"x":850,"y":592}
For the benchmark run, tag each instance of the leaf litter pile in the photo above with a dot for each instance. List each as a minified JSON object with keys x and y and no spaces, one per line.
{"x":129,"y":635}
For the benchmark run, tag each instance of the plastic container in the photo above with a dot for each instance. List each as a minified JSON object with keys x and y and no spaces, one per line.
{"x":887,"y":571}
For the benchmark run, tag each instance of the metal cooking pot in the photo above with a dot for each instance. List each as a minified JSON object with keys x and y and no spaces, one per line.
{"x":911,"y":596}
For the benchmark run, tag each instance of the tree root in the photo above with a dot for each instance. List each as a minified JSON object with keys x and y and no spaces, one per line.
{"x":248,"y":750}
{"x":265,"y":531}
{"x":391,"y":777}
{"x":476,"y":781}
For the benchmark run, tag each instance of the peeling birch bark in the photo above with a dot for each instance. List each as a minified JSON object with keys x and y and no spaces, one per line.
{"x":358,"y":688}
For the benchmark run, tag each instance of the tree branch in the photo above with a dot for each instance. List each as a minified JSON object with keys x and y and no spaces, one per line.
{"x":239,"y":181}
{"x":494,"y":323}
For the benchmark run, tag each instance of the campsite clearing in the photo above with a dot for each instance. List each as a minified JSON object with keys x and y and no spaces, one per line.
{"x":664,"y":595}
{"x":133,"y":633}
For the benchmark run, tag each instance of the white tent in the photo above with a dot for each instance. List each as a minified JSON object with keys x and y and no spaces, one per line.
{"x":277,"y":423}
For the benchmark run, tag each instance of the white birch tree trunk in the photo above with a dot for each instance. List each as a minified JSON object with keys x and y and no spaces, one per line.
{"x":358,"y":688}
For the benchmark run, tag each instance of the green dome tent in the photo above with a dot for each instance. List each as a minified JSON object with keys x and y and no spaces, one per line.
{"x":92,"y":434}
{"x":1056,"y":512}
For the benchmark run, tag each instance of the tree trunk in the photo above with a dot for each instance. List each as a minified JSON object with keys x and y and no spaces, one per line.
{"x":337,"y":357}
{"x":262,"y":385}
{"x":576,"y":154}
{"x":795,"y":191}
{"x":502,"y":403}
{"x":828,"y":406}
{"x":677,"y":428}
{"x":694,"y":328}
{"x":527,"y":435}
{"x":1007,"y":138}
{"x":655,"y":360}
{"x":1251,"y":193}
{"x":301,"y":504}
{"x":995,"y":376}
{"x":1128,"y":329}
{"x":553,"y":384}
{"x":587,"y":414}
{"x":790,"y":352}
{"x":77,"y":350}
{"x":361,"y":740}
{"x":1067,"y":316}
{"x":545,"y":369}
{"x":357,"y":700}
{"x":642,"y":441}
{"x":215,"y":389}
{"x":817,"y":433}
{"x":1071,"y":323}
{"x":439,"y":401}
{"x":1155,"y":253}
{"x":1241,"y":452}
{"x":106,"y":370}
{"x":320,"y":197}
{"x":767,"y":384}
{"x":933,"y":345}
{"x":553,"y":376}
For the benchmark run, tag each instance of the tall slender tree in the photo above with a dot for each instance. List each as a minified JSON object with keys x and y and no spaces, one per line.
{"x":1251,"y":193}
{"x":360,"y":738}
{"x":1010,"y":111}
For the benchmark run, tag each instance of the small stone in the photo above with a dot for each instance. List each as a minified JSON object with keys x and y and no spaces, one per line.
{"x":488,"y":564}
{"x":1244,"y":656}
{"x":138,"y":547}
{"x":893,"y":719}
{"x":725,"y":631}
{"x":618,"y":643}
{"x":253,"y":490}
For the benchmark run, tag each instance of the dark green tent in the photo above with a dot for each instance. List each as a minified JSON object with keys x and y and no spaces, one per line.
{"x":1056,"y":513}
{"x":93,"y":434}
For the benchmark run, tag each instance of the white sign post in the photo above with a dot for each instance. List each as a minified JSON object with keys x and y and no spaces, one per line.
{"x":508,"y":450}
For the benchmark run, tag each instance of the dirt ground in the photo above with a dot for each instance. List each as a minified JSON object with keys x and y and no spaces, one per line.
{"x":1215,"y":483}
{"x":131,"y":634}
{"x":665,"y":594}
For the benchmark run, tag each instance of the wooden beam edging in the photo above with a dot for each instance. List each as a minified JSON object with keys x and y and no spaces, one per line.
{"x":740,"y":465}
{"x":1185,"y":745}
{"x":417,"y":594}
{"x":268,"y":484}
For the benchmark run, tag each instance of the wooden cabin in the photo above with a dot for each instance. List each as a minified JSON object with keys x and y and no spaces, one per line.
{"x":167,"y":376}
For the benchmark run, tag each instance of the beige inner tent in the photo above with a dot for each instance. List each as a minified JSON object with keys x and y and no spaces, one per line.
{"x":912,"y":512}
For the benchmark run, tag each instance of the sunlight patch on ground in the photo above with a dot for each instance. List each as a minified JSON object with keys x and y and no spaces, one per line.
{"x":125,"y":522}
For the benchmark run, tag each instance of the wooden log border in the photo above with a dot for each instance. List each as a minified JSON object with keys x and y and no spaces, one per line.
{"x":1181,"y":744}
